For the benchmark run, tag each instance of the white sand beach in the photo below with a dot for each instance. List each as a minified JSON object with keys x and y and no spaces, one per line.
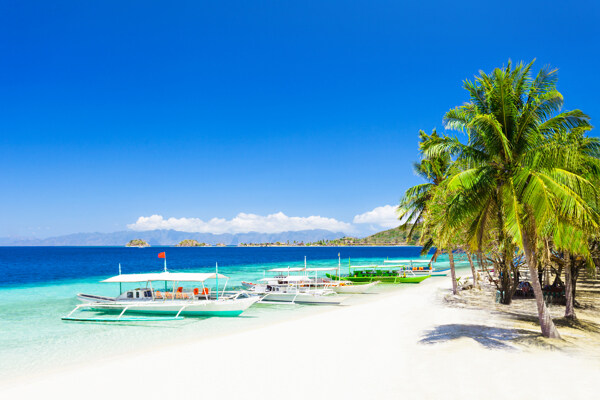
{"x":406,"y":344}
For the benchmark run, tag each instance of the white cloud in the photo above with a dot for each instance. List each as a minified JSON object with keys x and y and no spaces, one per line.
{"x":384,"y":216}
{"x":379,"y":218}
{"x":241,"y":223}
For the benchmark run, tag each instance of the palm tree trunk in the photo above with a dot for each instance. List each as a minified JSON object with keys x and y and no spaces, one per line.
{"x":472,"y":268}
{"x":569,"y":295}
{"x":452,"y":272}
{"x":570,"y":307}
{"x":548,"y":328}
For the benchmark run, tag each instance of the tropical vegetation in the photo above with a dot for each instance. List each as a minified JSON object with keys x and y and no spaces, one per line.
{"x":190,"y":243}
{"x":516,"y":188}
{"x":137,"y":243}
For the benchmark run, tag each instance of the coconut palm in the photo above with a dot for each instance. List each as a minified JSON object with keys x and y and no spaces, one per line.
{"x":414,"y":206}
{"x":579,"y":153}
{"x":433,"y":170}
{"x":446,"y":237}
{"x":511,"y":193}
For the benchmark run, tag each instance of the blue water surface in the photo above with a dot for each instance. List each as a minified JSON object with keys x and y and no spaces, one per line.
{"x":34,"y":265}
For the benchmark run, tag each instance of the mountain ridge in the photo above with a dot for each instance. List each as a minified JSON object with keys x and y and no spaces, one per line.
{"x":164,"y":237}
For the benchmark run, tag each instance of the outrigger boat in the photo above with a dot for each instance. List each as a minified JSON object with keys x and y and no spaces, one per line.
{"x":172,"y":304}
{"x":339,"y":285}
{"x":349,"y":287}
{"x":296,"y":289}
{"x":406,"y":265}
{"x":373,"y":273}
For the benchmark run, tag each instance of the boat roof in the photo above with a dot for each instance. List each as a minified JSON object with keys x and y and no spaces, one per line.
{"x":406,"y":261}
{"x":165,"y":276}
{"x":287,"y":269}
{"x":375,"y":266}
{"x":322,"y":269}
{"x":287,"y":278}
{"x":300,"y":269}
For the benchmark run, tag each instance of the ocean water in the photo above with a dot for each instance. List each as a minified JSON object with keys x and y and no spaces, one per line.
{"x":38,"y":285}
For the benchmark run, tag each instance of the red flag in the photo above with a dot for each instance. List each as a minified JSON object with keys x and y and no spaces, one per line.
{"x":162,"y":255}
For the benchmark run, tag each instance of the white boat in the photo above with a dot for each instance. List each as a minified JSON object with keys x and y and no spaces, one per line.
{"x":348,"y":287}
{"x":248,"y":285}
{"x":298,"y":289}
{"x":408,"y":265}
{"x":193,"y":300}
{"x":339,"y":286}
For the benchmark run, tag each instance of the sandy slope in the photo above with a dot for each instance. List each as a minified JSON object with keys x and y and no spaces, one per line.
{"x":402,"y":345}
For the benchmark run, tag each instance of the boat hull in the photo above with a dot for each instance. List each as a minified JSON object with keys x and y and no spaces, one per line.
{"x":443,"y":272}
{"x":302,"y":298}
{"x":208,"y":308}
{"x":91,"y":298}
{"x":433,"y":272}
{"x":355,"y":289}
{"x":383,"y":279}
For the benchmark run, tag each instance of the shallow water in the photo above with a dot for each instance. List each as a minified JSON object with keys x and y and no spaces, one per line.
{"x":40,"y":283}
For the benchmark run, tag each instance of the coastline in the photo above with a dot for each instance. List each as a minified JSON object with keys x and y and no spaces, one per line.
{"x":405,"y":343}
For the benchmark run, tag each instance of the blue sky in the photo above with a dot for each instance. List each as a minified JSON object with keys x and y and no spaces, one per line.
{"x":111,"y":111}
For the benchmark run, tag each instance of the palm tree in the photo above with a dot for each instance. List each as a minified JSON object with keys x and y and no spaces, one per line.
{"x":444,"y":236}
{"x":509,"y":193}
{"x":433,"y":170}
{"x":414,"y":206}
{"x":579,"y":153}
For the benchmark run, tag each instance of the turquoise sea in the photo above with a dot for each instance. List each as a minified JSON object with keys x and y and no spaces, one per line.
{"x":38,"y":285}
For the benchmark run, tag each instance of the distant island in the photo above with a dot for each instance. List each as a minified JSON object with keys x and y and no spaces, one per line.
{"x":137,"y":243}
{"x":165,"y":237}
{"x":191,"y":243}
{"x":314,"y":237}
{"x":391,"y":237}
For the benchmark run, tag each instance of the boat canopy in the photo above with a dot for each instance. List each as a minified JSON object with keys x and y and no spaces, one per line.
{"x":292,"y":278}
{"x":288,"y":269}
{"x":407,"y":261}
{"x":376,"y":266}
{"x":165,"y":276}
{"x":321,"y":269}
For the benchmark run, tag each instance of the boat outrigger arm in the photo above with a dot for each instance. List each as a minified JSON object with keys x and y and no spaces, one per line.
{"x":120,"y":318}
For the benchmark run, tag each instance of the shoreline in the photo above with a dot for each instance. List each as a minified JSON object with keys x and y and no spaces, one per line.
{"x":404,"y":334}
{"x":208,"y":246}
{"x":258,"y":317}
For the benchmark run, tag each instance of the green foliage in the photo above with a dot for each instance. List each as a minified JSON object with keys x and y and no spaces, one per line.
{"x":522,"y":179}
{"x":190,"y":243}
{"x":526,"y":168}
{"x":137,"y":243}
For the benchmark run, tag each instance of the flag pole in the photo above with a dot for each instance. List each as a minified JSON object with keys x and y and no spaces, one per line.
{"x":339,"y":267}
{"x":120,"y":289}
{"x":165,"y":261}
{"x":217,"y":277}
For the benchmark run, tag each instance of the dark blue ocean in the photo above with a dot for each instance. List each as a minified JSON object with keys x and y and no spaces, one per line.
{"x":31,"y":265}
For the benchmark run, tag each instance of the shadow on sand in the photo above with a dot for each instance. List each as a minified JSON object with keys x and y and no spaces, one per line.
{"x":579,"y":324}
{"x":487,"y":336}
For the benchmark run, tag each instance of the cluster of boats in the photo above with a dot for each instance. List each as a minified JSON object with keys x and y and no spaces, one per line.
{"x":173,"y":295}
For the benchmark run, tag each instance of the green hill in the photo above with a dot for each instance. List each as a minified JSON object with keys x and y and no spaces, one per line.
{"x":391,"y":237}
{"x":137,"y":243}
{"x":190,"y":243}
